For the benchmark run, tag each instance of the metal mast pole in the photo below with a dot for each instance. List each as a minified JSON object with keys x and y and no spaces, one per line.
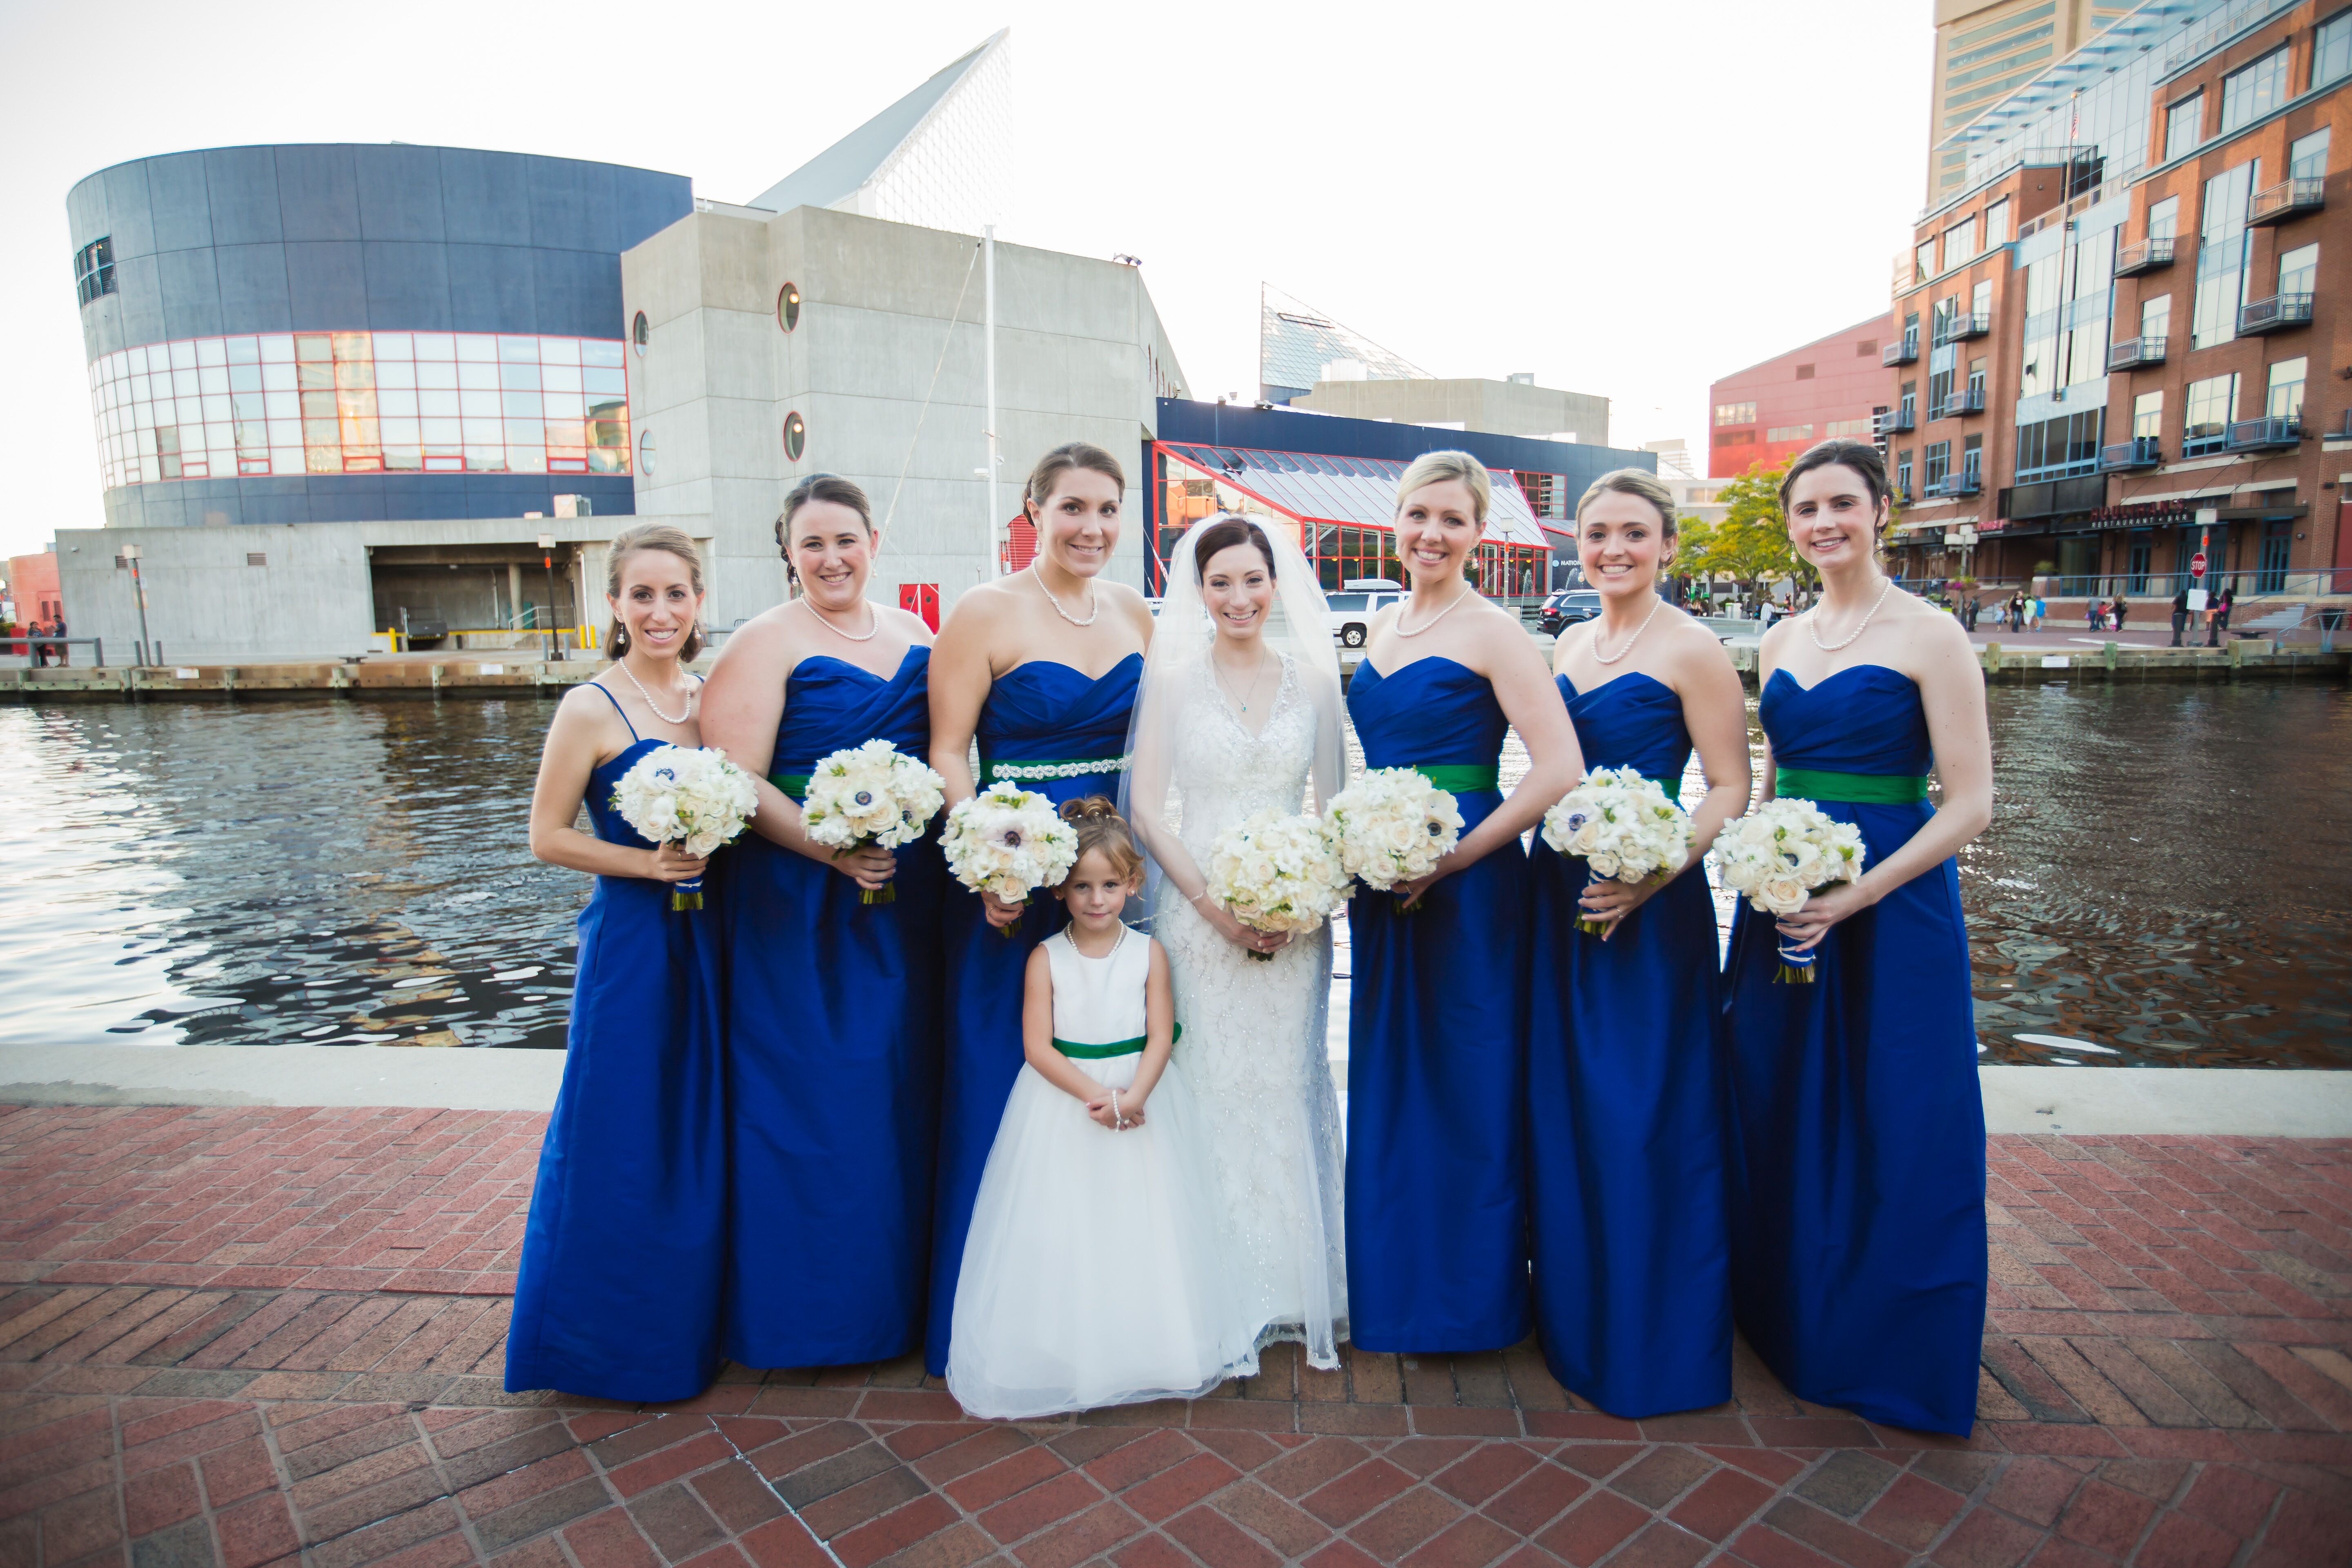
{"x":988,"y":253}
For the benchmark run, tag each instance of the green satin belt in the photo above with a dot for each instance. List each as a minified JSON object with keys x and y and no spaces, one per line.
{"x":1855,"y":789}
{"x":1035,"y":772}
{"x":1673,"y":786}
{"x":1461,"y":778}
{"x":793,"y":784}
{"x":1115,"y":1048}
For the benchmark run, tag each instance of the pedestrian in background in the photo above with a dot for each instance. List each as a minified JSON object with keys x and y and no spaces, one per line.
{"x":2041,"y":608}
{"x":57,"y":629}
{"x":2228,"y":602}
{"x":2122,"y":609}
{"x":2179,"y":616}
{"x":2094,"y":612}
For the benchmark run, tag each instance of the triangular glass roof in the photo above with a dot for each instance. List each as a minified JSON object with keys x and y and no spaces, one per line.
{"x":1356,"y":492}
{"x":1297,"y":343}
{"x":834,"y":175}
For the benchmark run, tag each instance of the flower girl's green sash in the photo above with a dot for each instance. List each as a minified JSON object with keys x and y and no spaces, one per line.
{"x":1461,"y":778}
{"x":1115,"y":1048}
{"x":793,"y":784}
{"x":1855,"y":789}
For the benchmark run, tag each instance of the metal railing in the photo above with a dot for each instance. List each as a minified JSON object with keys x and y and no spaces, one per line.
{"x":2133,"y":351}
{"x":1967,"y":400}
{"x":2143,"y":256}
{"x":1904,"y":352}
{"x":2275,"y":314}
{"x":1960,"y":328}
{"x":2204,"y":440}
{"x":25,"y":645}
{"x":2140,"y":452}
{"x":2288,"y":198}
{"x":2261,"y":435}
{"x":1895,"y":421}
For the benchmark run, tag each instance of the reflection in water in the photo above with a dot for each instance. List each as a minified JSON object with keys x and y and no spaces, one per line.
{"x":2168,"y":875}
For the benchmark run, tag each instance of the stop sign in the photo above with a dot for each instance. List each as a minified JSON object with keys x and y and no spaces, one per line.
{"x":2197,"y":564}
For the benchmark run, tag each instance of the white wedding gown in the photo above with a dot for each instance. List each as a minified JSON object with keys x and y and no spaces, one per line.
{"x":1253,"y":1050}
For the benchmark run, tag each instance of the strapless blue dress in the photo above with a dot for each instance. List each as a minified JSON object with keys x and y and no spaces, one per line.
{"x":1437,"y":1205}
{"x":1858,"y":1227}
{"x":1628,"y":1107}
{"x":624,"y":1253}
{"x":1040,"y":712}
{"x":832,"y":1061}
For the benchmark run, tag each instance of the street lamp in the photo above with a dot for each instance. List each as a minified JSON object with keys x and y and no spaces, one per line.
{"x":547,"y":560}
{"x":139,"y":593}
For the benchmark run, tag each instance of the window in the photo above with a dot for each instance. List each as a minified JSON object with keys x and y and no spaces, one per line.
{"x":2299,"y":271}
{"x":645,"y":454}
{"x":2156,"y":317}
{"x":2252,"y":91}
{"x":2285,"y":399}
{"x":1790,"y":433}
{"x":1805,"y":373}
{"x":94,"y":270}
{"x":1939,"y":392}
{"x":2061,"y":448}
{"x":1735,"y":413}
{"x":2148,"y":415}
{"x":639,"y":333}
{"x":1976,"y":378}
{"x":2164,"y":218}
{"x":2331,"y":50}
{"x":1972,"y":460}
{"x":1903,"y":474}
{"x":2221,"y":248}
{"x":1959,"y":244}
{"x":788,"y":307}
{"x":2212,"y":403}
{"x":2143,"y":548}
{"x":1923,"y":262}
{"x":1997,"y":224}
{"x":1910,"y":400}
{"x":1858,"y":429}
{"x":2307,"y":159}
{"x":1980,"y":299}
{"x":1940,"y":464}
{"x":2002,"y":25}
{"x":795,"y":437}
{"x":1865,"y":347}
{"x":256,"y":558}
{"x":2184,"y":126}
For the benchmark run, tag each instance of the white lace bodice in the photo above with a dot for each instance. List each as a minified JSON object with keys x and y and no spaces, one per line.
{"x":1223,"y":774}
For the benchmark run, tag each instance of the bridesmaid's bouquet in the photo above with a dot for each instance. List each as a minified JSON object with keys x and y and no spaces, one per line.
{"x":1392,"y":825}
{"x":870,"y":794}
{"x":1277,"y":873}
{"x":1623,"y":825}
{"x":1008,"y":841}
{"x":1780,"y":855}
{"x":692,"y":796}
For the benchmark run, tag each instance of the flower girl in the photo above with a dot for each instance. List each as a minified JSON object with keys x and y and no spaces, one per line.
{"x":1092,"y":1274}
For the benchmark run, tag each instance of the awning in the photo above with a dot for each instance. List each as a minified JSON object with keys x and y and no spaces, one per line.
{"x":1353,"y":492}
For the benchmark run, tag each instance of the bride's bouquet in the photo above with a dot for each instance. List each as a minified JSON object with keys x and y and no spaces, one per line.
{"x":870,"y":794}
{"x":1008,"y":841}
{"x":1780,"y":855}
{"x":692,"y":796}
{"x":1392,"y":825}
{"x":1277,"y":873}
{"x":1623,"y":825}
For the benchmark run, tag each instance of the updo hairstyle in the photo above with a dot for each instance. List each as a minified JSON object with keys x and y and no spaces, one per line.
{"x":1100,"y":826}
{"x":1061,"y":460}
{"x":1436,"y":467}
{"x":1839,"y":452}
{"x":652,"y":536}
{"x":815,"y":488}
{"x":1223,"y":533}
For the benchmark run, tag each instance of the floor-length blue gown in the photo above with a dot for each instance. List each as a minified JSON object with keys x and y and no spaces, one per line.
{"x":1627,"y":1107}
{"x":1041,"y":712}
{"x":625,"y":1249}
{"x":1858,"y":1261}
{"x":1436,"y":1205}
{"x":832,"y":1063}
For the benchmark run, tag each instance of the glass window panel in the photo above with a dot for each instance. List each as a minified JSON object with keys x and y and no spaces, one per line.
{"x":559,"y":350}
{"x":2184,"y":126}
{"x":518,"y":432}
{"x":313,"y":346}
{"x":219,"y":436}
{"x":245,"y":378}
{"x":440,"y":404}
{"x":166,"y":412}
{"x":277,"y":377}
{"x":394,"y":345}
{"x":244,"y":351}
{"x":2249,"y":93}
{"x":2307,"y":159}
{"x":2285,"y":399}
{"x":599,"y":352}
{"x":351,"y":346}
{"x":398,"y":432}
{"x":568,"y":435}
{"x":475,"y":378}
{"x":561,"y":377}
{"x":440,"y":432}
{"x":486,"y":432}
{"x":246,"y":405}
{"x":564,"y":406}
{"x":2212,"y":405}
{"x":216,"y":406}
{"x":611,"y":382}
{"x":285,"y":433}
{"x":519,"y":377}
{"x":403,"y":460}
{"x":142,"y":413}
{"x":213,"y":378}
{"x":395,"y":372}
{"x":526,"y":460}
{"x":211,"y":351}
{"x":2299,"y":271}
{"x":314,"y":373}
{"x":184,"y":384}
{"x":318,"y":405}
{"x":522,"y":351}
{"x":183,"y":355}
{"x":276,"y":348}
{"x":479,"y":405}
{"x":281,"y":405}
{"x":353,"y":374}
{"x":322,"y":458}
{"x":397,"y":403}
{"x":2331,"y":50}
{"x":608,"y":461}
{"x":486,"y":459}
{"x":2156,"y":317}
{"x":474,"y":348}
{"x":136,"y":359}
{"x":437,"y":373}
{"x":434,"y":345}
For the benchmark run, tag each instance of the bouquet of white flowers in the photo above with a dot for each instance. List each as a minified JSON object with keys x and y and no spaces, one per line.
{"x":1392,"y":825}
{"x":1009,"y":841}
{"x":1623,"y":825}
{"x":692,"y":796}
{"x":870,"y":794}
{"x":1780,"y":855}
{"x":1276,"y":873}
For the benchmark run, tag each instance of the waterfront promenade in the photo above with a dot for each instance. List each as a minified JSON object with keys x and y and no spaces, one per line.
{"x":235,"y":1335}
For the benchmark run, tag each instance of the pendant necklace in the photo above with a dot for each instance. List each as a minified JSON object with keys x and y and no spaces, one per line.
{"x":1256,"y":680}
{"x":1812,"y":626}
{"x":1620,"y":653}
{"x":649,"y":697}
{"x":867,"y":636}
{"x":1057,"y":604}
{"x":1398,"y":626}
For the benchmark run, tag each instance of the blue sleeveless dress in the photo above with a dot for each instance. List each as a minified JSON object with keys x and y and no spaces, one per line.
{"x":1858,"y":1259}
{"x":625,"y":1250}
{"x":1628,"y":1107}
{"x":1436,"y":1205}
{"x":833,"y":1065}
{"x":1040,"y":712}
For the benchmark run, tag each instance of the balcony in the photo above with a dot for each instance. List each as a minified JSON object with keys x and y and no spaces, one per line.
{"x":2279,"y":314}
{"x":1966,"y":401}
{"x":1905,"y":352}
{"x":2147,"y":255}
{"x":2288,"y":198}
{"x":2204,"y":440}
{"x":1960,"y":329}
{"x":2133,"y":353}
{"x":1967,"y":482}
{"x":2265,"y":435}
{"x":1895,"y":421}
{"x":2140,"y":452}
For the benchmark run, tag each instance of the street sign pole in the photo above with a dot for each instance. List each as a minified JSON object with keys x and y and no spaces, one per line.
{"x":139,"y":593}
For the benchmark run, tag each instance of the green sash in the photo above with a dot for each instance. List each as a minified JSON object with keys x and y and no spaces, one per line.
{"x":793,"y":784}
{"x":1461,"y":778}
{"x":1115,"y":1048}
{"x":1673,"y":786}
{"x":1855,"y":789}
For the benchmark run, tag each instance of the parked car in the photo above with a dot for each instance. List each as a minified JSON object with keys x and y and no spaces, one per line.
{"x":1352,"y":612}
{"x":1566,"y":607}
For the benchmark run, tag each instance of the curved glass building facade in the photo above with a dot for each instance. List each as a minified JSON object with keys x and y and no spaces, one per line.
{"x":341,"y":333}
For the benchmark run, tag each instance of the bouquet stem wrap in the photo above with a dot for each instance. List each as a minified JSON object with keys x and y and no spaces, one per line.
{"x":869,"y":793}
{"x":1625,"y":827}
{"x":1781,"y":854}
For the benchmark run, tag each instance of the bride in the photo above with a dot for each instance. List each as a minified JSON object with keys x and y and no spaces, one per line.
{"x":1240,"y":711}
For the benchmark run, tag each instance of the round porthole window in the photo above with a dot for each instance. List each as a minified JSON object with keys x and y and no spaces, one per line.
{"x":795,"y":437}
{"x":644,"y":447}
{"x":639,"y":332}
{"x":788,"y":307}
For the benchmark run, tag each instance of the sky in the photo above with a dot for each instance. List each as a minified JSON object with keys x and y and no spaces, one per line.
{"x":1624,"y":199}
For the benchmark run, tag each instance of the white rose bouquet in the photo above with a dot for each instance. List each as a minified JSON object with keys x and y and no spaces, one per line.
{"x":1277,"y":873}
{"x":1623,"y":825}
{"x":870,"y":794}
{"x":1009,"y":841}
{"x":1392,"y":825}
{"x":688,"y":795}
{"x":1780,"y":855}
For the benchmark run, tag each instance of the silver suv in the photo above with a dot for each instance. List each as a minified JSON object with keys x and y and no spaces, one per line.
{"x":1352,"y":612}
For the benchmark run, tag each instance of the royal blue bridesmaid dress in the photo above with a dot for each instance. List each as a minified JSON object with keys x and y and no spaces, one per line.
{"x":1627,"y":1107}
{"x":1436,"y":1209}
{"x":1858,"y":1227}
{"x":1040,"y":718}
{"x":625,"y":1250}
{"x":832,"y":1061}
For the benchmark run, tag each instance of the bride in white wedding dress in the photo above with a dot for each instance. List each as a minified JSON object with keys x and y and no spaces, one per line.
{"x":1240,"y":711}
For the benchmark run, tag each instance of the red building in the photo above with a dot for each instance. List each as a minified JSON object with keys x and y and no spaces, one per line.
{"x":1830,"y":386}
{"x":33,"y":585}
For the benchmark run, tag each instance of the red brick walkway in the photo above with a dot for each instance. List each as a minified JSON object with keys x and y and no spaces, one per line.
{"x":232,"y":1337}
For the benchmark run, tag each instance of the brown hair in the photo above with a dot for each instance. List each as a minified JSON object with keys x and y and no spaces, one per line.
{"x":652,"y":536}
{"x":815,"y":488}
{"x":1100,"y":826}
{"x":1838,"y":452}
{"x":1061,"y":460}
{"x":1224,"y":533}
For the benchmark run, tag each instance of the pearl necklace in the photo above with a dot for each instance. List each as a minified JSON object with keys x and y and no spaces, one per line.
{"x":1399,"y":626}
{"x":853,"y":636}
{"x":1057,"y":604}
{"x":1813,"y":621}
{"x":1620,"y":653}
{"x":649,"y":697}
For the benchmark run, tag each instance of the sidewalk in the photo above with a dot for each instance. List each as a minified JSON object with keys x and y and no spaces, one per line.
{"x":235,"y":1336}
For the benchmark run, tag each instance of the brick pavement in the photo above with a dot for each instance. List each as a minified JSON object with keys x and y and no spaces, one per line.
{"x":231,"y":1338}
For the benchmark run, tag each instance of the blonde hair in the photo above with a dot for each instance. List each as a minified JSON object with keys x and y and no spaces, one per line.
{"x":1632,"y":482}
{"x":652,"y":536}
{"x":1436,"y":467}
{"x":1100,"y":826}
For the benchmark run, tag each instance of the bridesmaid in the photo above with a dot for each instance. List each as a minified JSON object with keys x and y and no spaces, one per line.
{"x":833,"y":1064}
{"x":624,"y":1251}
{"x":1436,"y":1212}
{"x":1041,"y":668}
{"x":1858,"y":1262}
{"x":1627,"y":1101}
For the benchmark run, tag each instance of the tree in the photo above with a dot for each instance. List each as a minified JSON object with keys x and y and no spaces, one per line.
{"x":1752,"y":543}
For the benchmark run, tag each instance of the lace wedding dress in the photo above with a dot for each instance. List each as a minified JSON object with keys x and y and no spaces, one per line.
{"x":1254,"y":1050}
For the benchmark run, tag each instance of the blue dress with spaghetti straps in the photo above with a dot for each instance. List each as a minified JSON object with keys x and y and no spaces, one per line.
{"x":1436,"y":1203}
{"x":832,"y":1061}
{"x":1627,"y":1107}
{"x":1858,"y":1225}
{"x":1041,"y":711}
{"x":626,"y":1249}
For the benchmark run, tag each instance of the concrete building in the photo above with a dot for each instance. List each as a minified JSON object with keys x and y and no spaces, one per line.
{"x":2133,"y":317}
{"x":1697,"y":499}
{"x":1515,"y":406}
{"x":1986,"y":48}
{"x":1830,"y":386}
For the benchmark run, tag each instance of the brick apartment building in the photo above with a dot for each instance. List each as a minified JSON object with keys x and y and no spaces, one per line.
{"x":1830,"y":386}
{"x":2125,"y":340}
